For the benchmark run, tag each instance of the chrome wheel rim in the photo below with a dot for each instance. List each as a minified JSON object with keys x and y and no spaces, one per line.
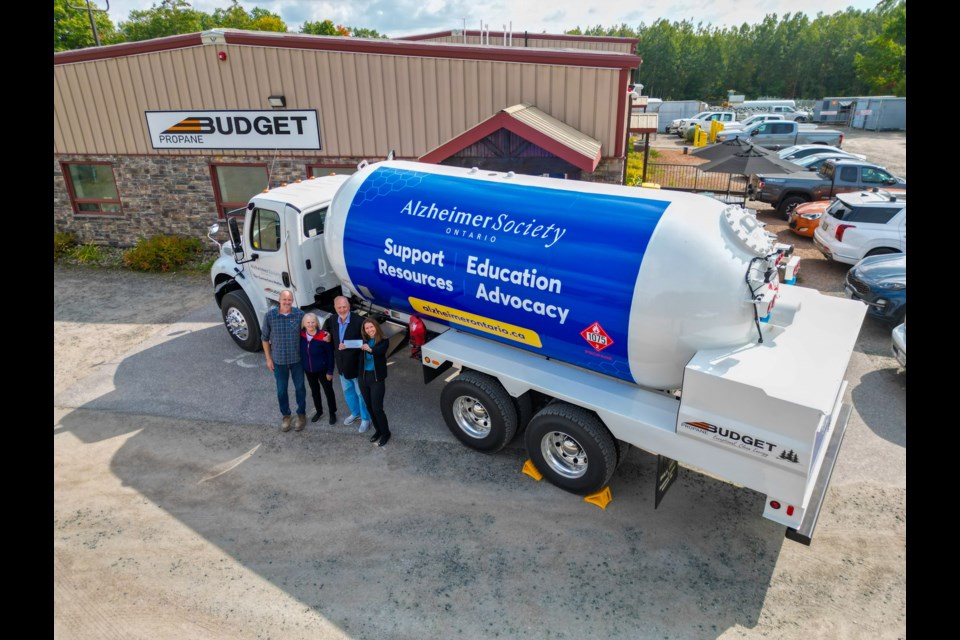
{"x":236,"y":324}
{"x":472,"y":417}
{"x":563,"y":454}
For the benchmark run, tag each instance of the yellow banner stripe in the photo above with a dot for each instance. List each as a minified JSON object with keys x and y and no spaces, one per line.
{"x":480,"y":323}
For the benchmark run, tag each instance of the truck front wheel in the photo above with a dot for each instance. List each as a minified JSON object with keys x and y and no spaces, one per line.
{"x":240,"y":321}
{"x":479,"y":411}
{"x":572,"y":448}
{"x":788,"y":204}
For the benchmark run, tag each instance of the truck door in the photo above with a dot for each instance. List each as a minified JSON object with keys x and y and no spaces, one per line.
{"x":311,"y":268}
{"x":264,"y":232}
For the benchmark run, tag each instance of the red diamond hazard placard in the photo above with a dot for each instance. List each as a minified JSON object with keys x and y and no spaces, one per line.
{"x":597,"y":337}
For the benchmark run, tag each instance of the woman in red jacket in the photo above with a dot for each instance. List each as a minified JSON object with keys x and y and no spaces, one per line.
{"x":316,"y":354}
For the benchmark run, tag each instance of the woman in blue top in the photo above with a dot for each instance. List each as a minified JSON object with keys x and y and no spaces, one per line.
{"x":373,"y":373}
{"x":316,"y":354}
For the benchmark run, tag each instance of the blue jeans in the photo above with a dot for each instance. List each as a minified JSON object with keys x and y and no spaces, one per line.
{"x":282,"y":374}
{"x":351,"y":393}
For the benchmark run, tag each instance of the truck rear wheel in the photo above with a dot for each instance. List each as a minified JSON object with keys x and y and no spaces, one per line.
{"x":479,"y":411}
{"x":572,"y":448}
{"x":240,"y":321}
{"x":788,"y":204}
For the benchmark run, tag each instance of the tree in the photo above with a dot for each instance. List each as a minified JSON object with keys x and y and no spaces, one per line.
{"x":360,"y":32}
{"x":236,"y":17}
{"x":169,"y":18}
{"x":883,"y":62}
{"x":71,"y":26}
{"x":325,"y":28}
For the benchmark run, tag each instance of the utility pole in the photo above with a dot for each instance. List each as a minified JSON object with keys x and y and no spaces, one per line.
{"x":93,"y":24}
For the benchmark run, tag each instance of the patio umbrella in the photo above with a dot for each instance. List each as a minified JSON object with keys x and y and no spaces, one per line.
{"x":721,"y":149}
{"x":749,"y":162}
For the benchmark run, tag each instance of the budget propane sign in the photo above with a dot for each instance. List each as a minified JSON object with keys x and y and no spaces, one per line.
{"x":286,"y":129}
{"x":532,"y":267}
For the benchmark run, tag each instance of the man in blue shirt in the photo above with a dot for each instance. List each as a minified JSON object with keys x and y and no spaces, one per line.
{"x":281,"y":344}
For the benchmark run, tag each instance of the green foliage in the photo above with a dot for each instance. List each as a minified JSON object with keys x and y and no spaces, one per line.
{"x":162,"y":253}
{"x":71,"y":26}
{"x":63,"y":244}
{"x":236,"y":17}
{"x":360,"y":32}
{"x":88,"y":253}
{"x":319,"y":28}
{"x":168,"y":18}
{"x":635,"y":163}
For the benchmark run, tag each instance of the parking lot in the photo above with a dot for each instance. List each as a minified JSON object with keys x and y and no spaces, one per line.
{"x":181,"y":511}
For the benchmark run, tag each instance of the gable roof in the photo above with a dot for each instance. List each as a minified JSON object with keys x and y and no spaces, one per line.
{"x":534,"y":125}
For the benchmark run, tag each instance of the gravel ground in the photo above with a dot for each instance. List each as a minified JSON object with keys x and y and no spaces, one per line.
{"x":170,"y":527}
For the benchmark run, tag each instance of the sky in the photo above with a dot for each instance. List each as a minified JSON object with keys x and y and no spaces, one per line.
{"x":397,"y":18}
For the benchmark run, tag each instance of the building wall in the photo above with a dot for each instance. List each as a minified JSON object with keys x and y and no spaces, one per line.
{"x":367,"y":104}
{"x":173,"y":195}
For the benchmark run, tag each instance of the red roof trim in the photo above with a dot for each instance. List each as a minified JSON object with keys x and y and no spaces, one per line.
{"x":503,"y":120}
{"x":579,"y":58}
{"x":525,"y":34}
{"x":128,"y":49}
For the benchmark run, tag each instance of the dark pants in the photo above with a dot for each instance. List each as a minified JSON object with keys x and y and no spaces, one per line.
{"x":316,"y":379}
{"x":373,"y":391}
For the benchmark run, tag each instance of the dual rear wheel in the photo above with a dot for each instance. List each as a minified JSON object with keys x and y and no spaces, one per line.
{"x":569,"y":445}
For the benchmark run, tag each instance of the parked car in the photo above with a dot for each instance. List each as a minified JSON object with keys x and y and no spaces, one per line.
{"x":751,"y":120}
{"x":861,"y":224}
{"x":880,"y":282}
{"x":899,"y":342}
{"x":798,"y":151}
{"x":813,"y":161}
{"x":805,"y":218}
{"x":788,"y":190}
{"x":675,"y":124}
{"x":704,"y":119}
{"x":777,"y":134}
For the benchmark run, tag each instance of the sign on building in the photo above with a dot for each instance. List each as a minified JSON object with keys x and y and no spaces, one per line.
{"x":234,"y":129}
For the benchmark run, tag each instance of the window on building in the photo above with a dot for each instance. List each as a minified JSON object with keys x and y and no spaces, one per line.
{"x":319,"y":170}
{"x":235,"y":184}
{"x":92,"y":187}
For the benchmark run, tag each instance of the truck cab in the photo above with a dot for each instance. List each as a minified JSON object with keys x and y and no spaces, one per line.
{"x":278,"y":245}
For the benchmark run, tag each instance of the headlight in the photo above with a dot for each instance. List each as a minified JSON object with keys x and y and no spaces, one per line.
{"x":810,"y":216}
{"x":892,"y":286}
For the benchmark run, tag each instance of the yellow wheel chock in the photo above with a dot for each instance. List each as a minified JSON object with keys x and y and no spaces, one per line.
{"x":601,"y":498}
{"x":531,"y":470}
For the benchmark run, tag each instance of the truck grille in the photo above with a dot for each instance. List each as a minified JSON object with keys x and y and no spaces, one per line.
{"x":858,"y":285}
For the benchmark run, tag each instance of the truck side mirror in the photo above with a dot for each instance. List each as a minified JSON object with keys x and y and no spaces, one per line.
{"x":236,"y":239}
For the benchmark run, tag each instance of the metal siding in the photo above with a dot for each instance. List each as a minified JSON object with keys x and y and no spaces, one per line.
{"x":367,"y":103}
{"x":94,"y":106}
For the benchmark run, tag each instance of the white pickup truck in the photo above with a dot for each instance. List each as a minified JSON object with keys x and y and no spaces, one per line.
{"x":704,"y":118}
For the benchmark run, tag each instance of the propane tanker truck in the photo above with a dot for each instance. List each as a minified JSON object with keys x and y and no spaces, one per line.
{"x":587,"y":317}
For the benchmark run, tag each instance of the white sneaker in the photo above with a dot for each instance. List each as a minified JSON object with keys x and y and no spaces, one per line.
{"x":364,"y":425}
{"x":351,"y":419}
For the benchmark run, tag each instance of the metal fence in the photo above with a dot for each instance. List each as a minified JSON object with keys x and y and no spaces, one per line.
{"x":687,"y":177}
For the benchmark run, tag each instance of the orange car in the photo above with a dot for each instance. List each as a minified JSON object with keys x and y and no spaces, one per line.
{"x":805,"y":218}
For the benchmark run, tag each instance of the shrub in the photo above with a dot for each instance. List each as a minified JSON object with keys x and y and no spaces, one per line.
{"x":162,"y":253}
{"x":63,"y":244}
{"x":88,"y":253}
